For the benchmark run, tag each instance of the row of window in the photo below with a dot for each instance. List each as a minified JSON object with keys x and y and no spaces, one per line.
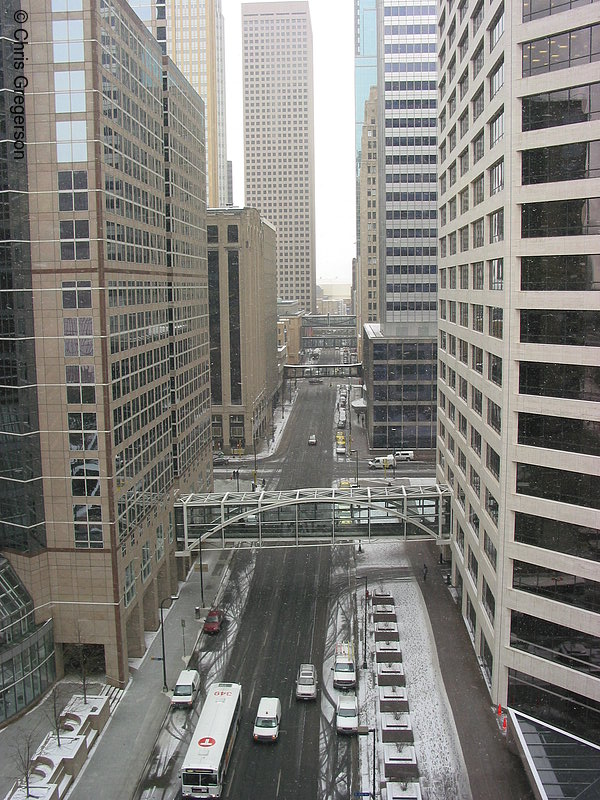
{"x":561,"y":51}
{"x":566,"y":162}
{"x":471,"y":276}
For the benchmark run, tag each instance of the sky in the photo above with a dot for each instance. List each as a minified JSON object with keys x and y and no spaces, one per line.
{"x":333,"y":54}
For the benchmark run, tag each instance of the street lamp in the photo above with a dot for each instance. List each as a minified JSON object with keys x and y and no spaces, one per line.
{"x":365,"y":631}
{"x":364,"y":730}
{"x":355,"y":453}
{"x":162,"y":637}
{"x":201,"y":570}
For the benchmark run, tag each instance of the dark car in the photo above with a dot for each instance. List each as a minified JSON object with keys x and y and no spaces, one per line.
{"x":214,"y":621}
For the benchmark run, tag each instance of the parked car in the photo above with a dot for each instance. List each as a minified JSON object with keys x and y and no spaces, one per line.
{"x":214,"y":621}
{"x":404,"y":455}
{"x":346,"y":714}
{"x":312,"y":439}
{"x":344,"y":667}
{"x":306,"y":682}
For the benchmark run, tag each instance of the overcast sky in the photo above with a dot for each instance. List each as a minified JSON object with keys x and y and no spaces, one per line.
{"x":333,"y":53}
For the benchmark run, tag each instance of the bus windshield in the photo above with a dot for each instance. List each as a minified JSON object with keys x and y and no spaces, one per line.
{"x":199,"y":778}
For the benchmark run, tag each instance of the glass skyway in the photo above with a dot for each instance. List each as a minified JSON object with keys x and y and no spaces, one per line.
{"x":313,"y":516}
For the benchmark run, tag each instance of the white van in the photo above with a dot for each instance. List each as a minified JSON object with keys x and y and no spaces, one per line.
{"x":186,"y":689}
{"x":268,"y":717}
{"x":382,"y":462}
{"x":404,"y":455}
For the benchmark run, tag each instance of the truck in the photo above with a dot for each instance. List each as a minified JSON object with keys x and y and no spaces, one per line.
{"x":344,"y":666}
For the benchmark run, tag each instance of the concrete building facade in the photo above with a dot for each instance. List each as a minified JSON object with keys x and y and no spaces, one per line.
{"x":401,"y":348}
{"x":279,"y":137}
{"x":519,"y":322}
{"x":105,"y":408}
{"x":243,"y":327}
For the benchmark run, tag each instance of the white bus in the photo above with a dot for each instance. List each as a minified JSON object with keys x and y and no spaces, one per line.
{"x":206,"y":761}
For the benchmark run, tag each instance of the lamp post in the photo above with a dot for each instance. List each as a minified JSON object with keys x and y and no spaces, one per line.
{"x":365,"y":631}
{"x":162,"y":638}
{"x":355,"y":453}
{"x":364,"y":730}
{"x":201,"y":570}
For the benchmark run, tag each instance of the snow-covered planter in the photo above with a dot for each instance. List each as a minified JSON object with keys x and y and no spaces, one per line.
{"x":43,"y":792}
{"x":396,"y":726}
{"x":384,"y":613}
{"x":393,"y":698}
{"x":404,"y":790}
{"x":400,"y":761}
{"x":390,"y":673}
{"x":387,"y":651}
{"x":386,"y":632}
{"x":85,"y":719}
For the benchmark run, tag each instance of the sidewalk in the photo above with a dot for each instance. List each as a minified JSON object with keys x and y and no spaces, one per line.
{"x":118,"y":758}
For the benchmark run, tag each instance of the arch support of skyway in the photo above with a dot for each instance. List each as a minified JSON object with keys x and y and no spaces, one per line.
{"x":303,"y":517}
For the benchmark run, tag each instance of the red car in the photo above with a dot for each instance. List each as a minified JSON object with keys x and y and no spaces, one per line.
{"x":214,"y":620}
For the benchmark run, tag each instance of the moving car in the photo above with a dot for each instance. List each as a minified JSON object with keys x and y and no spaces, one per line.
{"x":219,"y":457}
{"x":312,"y":439}
{"x":315,"y":380}
{"x":382,"y":462}
{"x":306,"y":682}
{"x":346,"y":714}
{"x":268,"y":717}
{"x":340,"y":449}
{"x":404,"y":455}
{"x":214,"y":621}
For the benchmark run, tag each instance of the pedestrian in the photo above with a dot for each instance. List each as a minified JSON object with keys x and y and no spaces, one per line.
{"x":425,"y":571}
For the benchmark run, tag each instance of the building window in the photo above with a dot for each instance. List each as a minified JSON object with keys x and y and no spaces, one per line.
{"x":67,"y":38}
{"x":497,"y":128}
{"x":478,"y":147}
{"x":497,"y":28}
{"x":212,"y":234}
{"x":497,"y":79}
{"x":496,"y":274}
{"x":74,"y":240}
{"x":463,"y":122}
{"x":477,"y":400}
{"x":81,"y":383}
{"x":72,"y":190}
{"x":129,"y":588}
{"x":566,"y":162}
{"x":477,"y":359}
{"x":477,"y":60}
{"x":478,"y":233}
{"x":494,"y":369}
{"x":464,"y":201}
{"x":478,"y":318}
{"x":575,"y":217}
{"x":478,"y":104}
{"x":572,"y":272}
{"x":78,"y":336}
{"x":232,"y":234}
{"x":477,"y":270}
{"x":496,"y":226}
{"x":497,"y":177}
{"x":87,"y":523}
{"x":561,"y":107}
{"x":494,"y":416}
{"x":561,"y":51}
{"x":83,"y":431}
{"x":478,"y":190}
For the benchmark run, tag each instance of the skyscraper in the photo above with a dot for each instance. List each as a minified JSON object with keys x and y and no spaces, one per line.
{"x":105,"y":402}
{"x":519,"y":322}
{"x":192,"y":33}
{"x":279,"y":137}
{"x":399,"y":351}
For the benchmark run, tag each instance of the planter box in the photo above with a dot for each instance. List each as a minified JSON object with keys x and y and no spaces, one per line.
{"x":393,"y":698}
{"x":390,"y":674}
{"x":387,"y":652}
{"x":384,"y":613}
{"x":386,"y":632}
{"x":396,"y":727}
{"x":381,"y":597}
{"x":403,"y":791}
{"x":400,"y":761}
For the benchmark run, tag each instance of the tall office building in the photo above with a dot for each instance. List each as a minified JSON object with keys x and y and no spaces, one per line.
{"x":105,"y":401}
{"x":365,"y":269}
{"x":399,"y":351}
{"x":279,"y":137}
{"x":192,"y":32}
{"x":519,"y":322}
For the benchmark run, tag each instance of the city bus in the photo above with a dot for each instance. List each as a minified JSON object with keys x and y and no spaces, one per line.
{"x":205,"y":764}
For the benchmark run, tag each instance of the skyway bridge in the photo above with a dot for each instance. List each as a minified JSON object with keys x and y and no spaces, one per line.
{"x":322,"y":371}
{"x":300,"y":517}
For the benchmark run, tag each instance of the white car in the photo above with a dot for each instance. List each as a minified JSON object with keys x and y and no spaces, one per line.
{"x":346,"y":714}
{"x":306,"y":682}
{"x":312,"y":439}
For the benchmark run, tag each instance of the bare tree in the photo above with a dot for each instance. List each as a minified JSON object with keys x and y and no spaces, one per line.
{"x":24,"y":748}
{"x":58,"y":701}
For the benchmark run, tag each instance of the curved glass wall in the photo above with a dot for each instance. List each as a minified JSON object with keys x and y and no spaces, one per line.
{"x":27,"y":665}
